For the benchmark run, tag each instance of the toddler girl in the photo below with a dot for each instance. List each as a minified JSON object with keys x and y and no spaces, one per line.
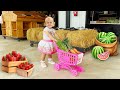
{"x":46,"y":46}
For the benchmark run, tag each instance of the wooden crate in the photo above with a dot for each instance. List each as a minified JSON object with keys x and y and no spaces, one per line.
{"x":11,"y":65}
{"x":16,"y":23}
{"x":9,"y":69}
{"x":24,"y":73}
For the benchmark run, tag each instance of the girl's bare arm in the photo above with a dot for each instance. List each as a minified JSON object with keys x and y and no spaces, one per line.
{"x":57,"y":36}
{"x":50,"y":36}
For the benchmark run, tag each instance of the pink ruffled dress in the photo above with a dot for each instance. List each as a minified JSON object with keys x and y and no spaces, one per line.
{"x":47,"y":45}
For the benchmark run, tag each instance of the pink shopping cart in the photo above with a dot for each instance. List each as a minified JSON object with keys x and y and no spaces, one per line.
{"x":69,"y":61}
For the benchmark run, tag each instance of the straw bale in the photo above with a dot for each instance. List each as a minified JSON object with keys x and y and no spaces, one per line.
{"x":32,"y":34}
{"x":62,"y":33}
{"x":28,"y":34}
{"x":40,"y":36}
{"x":82,"y":38}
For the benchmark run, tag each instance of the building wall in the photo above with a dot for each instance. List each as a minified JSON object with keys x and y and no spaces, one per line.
{"x":62,"y":19}
{"x":75,"y":21}
{"x":78,"y":21}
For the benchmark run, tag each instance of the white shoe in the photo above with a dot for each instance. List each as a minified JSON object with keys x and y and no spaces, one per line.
{"x":42,"y":63}
{"x":51,"y":62}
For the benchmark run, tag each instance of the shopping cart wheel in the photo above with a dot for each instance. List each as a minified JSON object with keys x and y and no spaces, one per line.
{"x":74,"y":72}
{"x":80,"y":69}
{"x":57,"y":66}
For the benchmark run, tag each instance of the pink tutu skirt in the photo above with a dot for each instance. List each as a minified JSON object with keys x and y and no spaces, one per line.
{"x":47,"y":47}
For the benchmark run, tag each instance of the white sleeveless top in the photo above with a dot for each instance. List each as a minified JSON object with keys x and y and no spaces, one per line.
{"x":50,"y":30}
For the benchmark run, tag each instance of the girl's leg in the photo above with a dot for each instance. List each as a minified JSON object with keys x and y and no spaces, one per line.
{"x":43,"y":60}
{"x":49,"y":56}
{"x":43,"y":56}
{"x":50,"y":59}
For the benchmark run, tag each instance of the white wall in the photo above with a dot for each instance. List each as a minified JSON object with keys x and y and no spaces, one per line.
{"x":78,"y":21}
{"x":61,"y":19}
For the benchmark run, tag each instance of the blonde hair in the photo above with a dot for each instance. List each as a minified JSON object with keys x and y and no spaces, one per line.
{"x":49,"y":18}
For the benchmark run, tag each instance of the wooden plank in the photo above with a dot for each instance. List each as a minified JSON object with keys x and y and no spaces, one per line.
{"x":9,"y":16}
{"x":8,"y":28}
{"x":9,"y":69}
{"x":14,"y":33}
{"x":12,"y":63}
{"x":34,"y":24}
{"x":19,"y":32}
{"x":30,"y":19}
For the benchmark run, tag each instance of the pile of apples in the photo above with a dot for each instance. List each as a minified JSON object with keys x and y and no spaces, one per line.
{"x":13,"y":56}
{"x":25,"y":66}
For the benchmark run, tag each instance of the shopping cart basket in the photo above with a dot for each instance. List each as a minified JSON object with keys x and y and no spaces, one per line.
{"x":69,"y":61}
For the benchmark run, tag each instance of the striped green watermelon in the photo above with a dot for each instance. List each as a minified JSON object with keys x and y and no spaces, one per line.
{"x":107,"y":38}
{"x":97,"y":50}
{"x":111,"y":34}
{"x":101,"y":35}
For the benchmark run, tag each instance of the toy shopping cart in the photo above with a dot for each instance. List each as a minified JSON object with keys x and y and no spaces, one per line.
{"x":69,"y":61}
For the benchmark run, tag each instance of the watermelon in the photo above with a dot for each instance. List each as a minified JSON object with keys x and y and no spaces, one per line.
{"x":104,"y":55}
{"x":110,"y":34}
{"x":101,"y":35}
{"x":97,"y":50}
{"x":107,"y":38}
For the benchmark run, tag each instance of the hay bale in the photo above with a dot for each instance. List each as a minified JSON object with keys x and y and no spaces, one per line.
{"x":40,"y":36}
{"x":62,"y":33}
{"x":82,"y":38}
{"x":35,"y":32}
{"x":32,"y":34}
{"x":28,"y":34}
